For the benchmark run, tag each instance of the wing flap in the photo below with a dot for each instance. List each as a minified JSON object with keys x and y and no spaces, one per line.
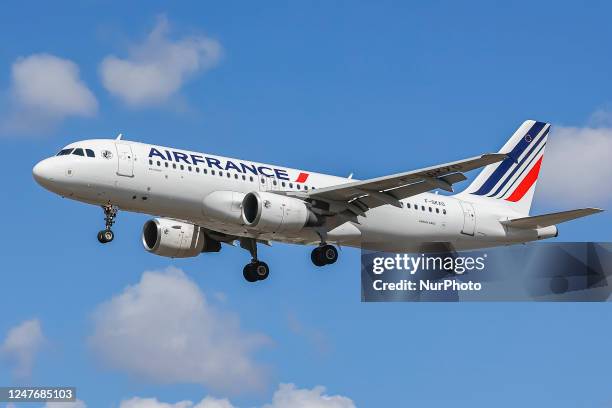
{"x":546,"y":220}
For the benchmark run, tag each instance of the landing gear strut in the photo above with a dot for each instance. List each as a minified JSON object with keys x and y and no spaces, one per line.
{"x":324,"y":254}
{"x":256,"y":270}
{"x":110,"y":213}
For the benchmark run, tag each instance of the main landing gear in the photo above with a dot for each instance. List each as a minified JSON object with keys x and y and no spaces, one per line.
{"x":256,"y":270}
{"x":110,"y":213}
{"x":324,"y":254}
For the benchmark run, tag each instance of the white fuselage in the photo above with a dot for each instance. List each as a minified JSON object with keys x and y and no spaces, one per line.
{"x":173,"y":183}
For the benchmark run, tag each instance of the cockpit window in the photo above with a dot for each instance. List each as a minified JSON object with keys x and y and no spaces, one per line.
{"x":64,"y":152}
{"x":78,"y":152}
{"x":90,"y":153}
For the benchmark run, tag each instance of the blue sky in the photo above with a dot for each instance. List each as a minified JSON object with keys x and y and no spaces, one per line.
{"x":335,"y":87}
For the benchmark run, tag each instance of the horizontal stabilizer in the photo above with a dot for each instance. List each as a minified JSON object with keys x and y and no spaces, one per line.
{"x":546,"y":220}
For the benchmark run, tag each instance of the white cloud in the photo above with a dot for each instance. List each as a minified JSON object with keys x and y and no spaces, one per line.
{"x":76,"y":404}
{"x":577,"y":168}
{"x":152,"y":403}
{"x":601,"y":118}
{"x":21,"y":345}
{"x":155,"y":70}
{"x":286,"y":396}
{"x":45,"y":90}
{"x":164,"y":329}
{"x":208,"y":402}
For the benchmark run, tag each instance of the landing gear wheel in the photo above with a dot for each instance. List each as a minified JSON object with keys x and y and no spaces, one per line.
{"x":261,"y":270}
{"x":256,"y":270}
{"x":249,"y":273}
{"x":316,"y":258}
{"x":329,"y":253}
{"x":105,"y":236}
{"x":324,"y":255}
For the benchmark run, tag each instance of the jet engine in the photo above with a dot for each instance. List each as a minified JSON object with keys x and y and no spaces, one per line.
{"x":269,"y":212}
{"x":176,"y":239}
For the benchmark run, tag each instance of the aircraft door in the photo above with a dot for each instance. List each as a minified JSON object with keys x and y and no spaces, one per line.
{"x":268,"y":183}
{"x":469,"y":218}
{"x":125,"y":160}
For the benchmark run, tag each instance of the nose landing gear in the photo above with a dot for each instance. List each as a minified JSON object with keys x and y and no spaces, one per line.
{"x":110,"y":213}
{"x":105,"y":236}
{"x":324,"y":255}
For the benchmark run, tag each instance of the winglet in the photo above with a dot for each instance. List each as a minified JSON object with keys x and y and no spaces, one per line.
{"x":119,"y":136}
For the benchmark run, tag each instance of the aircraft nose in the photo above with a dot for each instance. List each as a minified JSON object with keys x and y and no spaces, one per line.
{"x":43,"y":172}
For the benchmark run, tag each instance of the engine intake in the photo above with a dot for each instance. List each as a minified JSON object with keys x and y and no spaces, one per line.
{"x":176,"y":239}
{"x":269,"y":212}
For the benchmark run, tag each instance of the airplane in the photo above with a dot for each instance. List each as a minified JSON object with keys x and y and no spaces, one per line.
{"x":201,"y":200}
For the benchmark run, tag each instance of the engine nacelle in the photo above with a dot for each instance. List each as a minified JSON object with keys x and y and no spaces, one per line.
{"x":269,"y":212}
{"x":223,"y":206}
{"x":174,"y":239}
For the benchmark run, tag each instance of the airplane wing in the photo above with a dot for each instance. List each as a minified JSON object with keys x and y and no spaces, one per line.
{"x":359,"y":196}
{"x":546,"y":220}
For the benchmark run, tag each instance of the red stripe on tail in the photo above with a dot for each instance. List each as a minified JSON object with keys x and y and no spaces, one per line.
{"x":527,"y":182}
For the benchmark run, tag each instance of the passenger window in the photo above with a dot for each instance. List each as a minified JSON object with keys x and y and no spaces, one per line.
{"x":220,"y":174}
{"x":78,"y":152}
{"x":283,"y":184}
{"x":205,"y":171}
{"x":189,"y":168}
{"x":251,"y":178}
{"x":430,"y":209}
{"x":437,"y":211}
{"x":197,"y":169}
{"x":158,"y":163}
{"x":166,"y":164}
{"x":150,"y":162}
{"x":443,"y":211}
{"x":274,"y":182}
{"x":90,"y":153}
{"x":236,"y":176}
{"x":407,"y":205}
{"x":174,"y":165}
{"x":263,"y":180}
{"x":298,"y":186}
{"x":182,"y":167}
{"x":212,"y":172}
{"x":243,"y":177}
{"x":229,"y":175}
{"x":290,"y":185}
{"x":305,"y":187}
{"x":423,"y":208}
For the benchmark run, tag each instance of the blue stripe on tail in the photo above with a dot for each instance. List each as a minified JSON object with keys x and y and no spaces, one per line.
{"x":513,"y":172}
{"x":513,"y":156}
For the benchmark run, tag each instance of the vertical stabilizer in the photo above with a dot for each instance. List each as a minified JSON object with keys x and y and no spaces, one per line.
{"x":513,"y":180}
